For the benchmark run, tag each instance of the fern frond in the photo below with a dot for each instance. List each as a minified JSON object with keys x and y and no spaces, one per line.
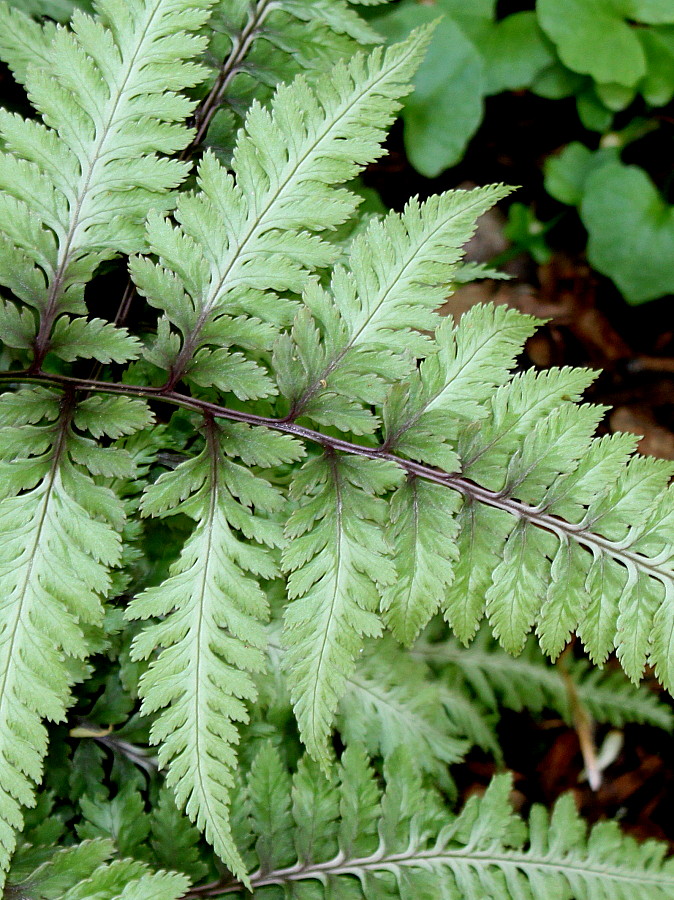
{"x":607,"y":580}
{"x":210,"y":634}
{"x":174,"y":839}
{"x":352,"y":842}
{"x":396,"y":275}
{"x":528,"y":681}
{"x":75,"y":189}
{"x":57,"y":541}
{"x":541,"y":531}
{"x":390,"y":702}
{"x":256,"y":45}
{"x":391,"y":699}
{"x":82,"y":872}
{"x":337,"y":560}
{"x":286,"y":164}
{"x":23,"y":41}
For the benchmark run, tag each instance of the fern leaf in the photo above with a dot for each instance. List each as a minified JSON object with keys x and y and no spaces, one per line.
{"x":390,"y":703}
{"x":264,"y":42}
{"x":391,"y":700}
{"x":337,"y":560}
{"x":423,"y":529}
{"x":472,"y":359}
{"x":124,"y":879}
{"x":528,"y":681}
{"x":59,"y":539}
{"x":80,"y":184}
{"x":174,"y":840}
{"x":616,"y":570}
{"x":61,"y":872}
{"x":286,"y":163}
{"x":404,"y":844}
{"x":270,"y":798}
{"x":337,"y":15}
{"x":210,"y":633}
{"x":397,"y":274}
{"x":23,"y":41}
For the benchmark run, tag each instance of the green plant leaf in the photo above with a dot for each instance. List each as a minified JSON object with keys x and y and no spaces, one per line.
{"x":59,"y":539}
{"x":515,"y":52}
{"x":338,"y":563}
{"x":631,"y":231}
{"x":594,"y":38}
{"x":566,"y":173}
{"x":402,"y":844}
{"x":446,"y":107}
{"x":657,"y":85}
{"x":210,"y":632}
{"x":655,"y":12}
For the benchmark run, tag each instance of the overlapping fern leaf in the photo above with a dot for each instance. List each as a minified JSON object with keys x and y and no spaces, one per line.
{"x":211,"y":612}
{"x":442,"y":482}
{"x":546,"y":531}
{"x":511,"y":506}
{"x":340,"y":837}
{"x":84,"y":871}
{"x":215,"y":286}
{"x":76,"y":187}
{"x":59,"y":537}
{"x":255,"y":45}
{"x":529,"y":681}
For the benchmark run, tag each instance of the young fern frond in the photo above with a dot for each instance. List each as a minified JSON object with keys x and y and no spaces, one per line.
{"x":76,"y":188}
{"x":58,"y":538}
{"x":211,"y":611}
{"x":351,"y":841}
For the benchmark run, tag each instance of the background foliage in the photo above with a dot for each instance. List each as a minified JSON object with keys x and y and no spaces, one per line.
{"x":615,"y":58}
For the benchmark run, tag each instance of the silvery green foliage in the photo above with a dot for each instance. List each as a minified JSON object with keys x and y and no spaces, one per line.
{"x":344,"y":462}
{"x":355,"y":840}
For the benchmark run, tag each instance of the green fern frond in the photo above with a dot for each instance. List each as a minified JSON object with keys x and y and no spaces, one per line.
{"x":528,"y":681}
{"x":337,"y":15}
{"x":256,"y":44}
{"x":337,"y":559}
{"x":210,"y":634}
{"x":390,"y":702}
{"x":351,"y":841}
{"x":174,"y":839}
{"x":391,"y":699}
{"x":58,"y":540}
{"x":76,"y":188}
{"x":23,"y":41}
{"x":396,"y":275}
{"x":82,"y":872}
{"x":286,"y":164}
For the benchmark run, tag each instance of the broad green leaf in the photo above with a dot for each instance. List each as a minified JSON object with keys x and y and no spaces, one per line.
{"x":594,"y":38}
{"x":446,"y":107}
{"x":515,"y":52}
{"x":567,"y":172}
{"x":657,"y":85}
{"x":631,"y":231}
